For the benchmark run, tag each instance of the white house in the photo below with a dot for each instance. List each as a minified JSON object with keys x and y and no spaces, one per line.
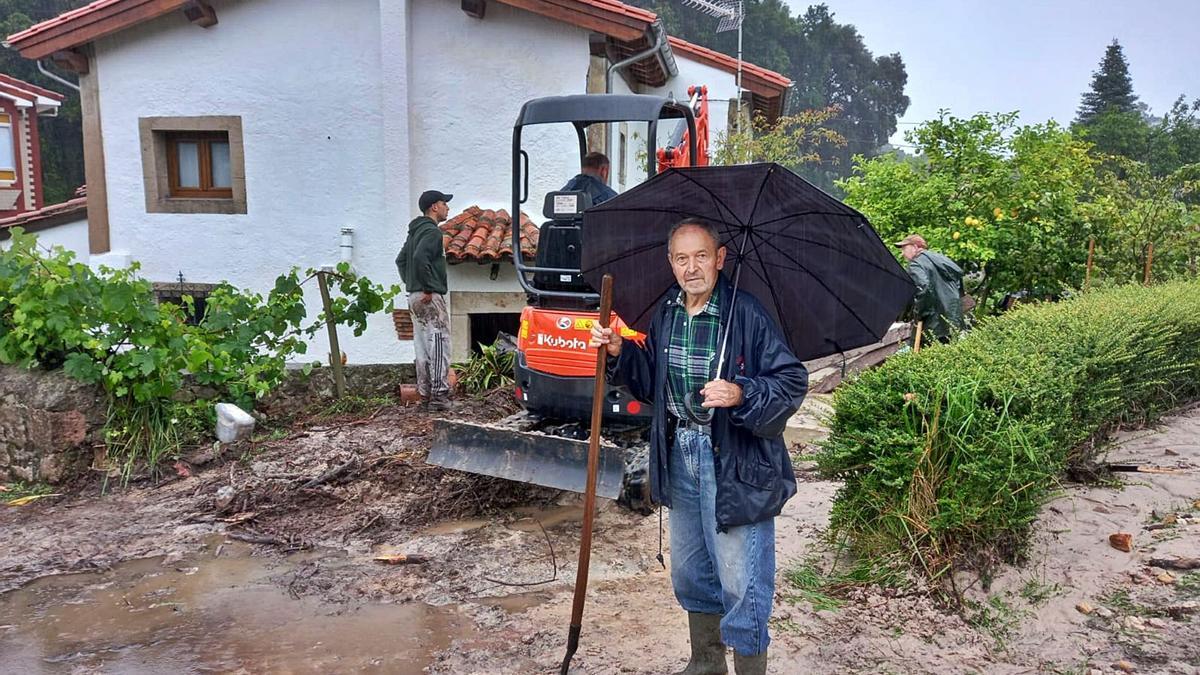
{"x":232,"y":139}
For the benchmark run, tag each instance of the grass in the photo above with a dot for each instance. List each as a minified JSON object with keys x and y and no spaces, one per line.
{"x":352,"y":405}
{"x":1188,"y":586}
{"x":996,"y":618}
{"x":1119,"y":601}
{"x":825,"y":590}
{"x":1036,"y":592}
{"x":19,"y":489}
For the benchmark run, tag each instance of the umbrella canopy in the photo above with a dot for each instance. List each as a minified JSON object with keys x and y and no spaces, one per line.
{"x":816,"y":264}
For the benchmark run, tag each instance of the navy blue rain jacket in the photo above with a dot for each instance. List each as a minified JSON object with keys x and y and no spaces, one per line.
{"x":754,"y":471}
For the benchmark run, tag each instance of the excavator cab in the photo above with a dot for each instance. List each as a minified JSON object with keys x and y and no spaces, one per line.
{"x":547,"y":443}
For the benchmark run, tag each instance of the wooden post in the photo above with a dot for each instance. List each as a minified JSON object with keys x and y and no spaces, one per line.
{"x":917,"y":339}
{"x":335,"y":352}
{"x":1149,"y":262}
{"x":1087,"y":275}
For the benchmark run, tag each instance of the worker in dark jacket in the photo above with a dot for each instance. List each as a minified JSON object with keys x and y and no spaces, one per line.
{"x":717,"y":457}
{"x":422,"y":266}
{"x":593,"y":179}
{"x":938,"y":303}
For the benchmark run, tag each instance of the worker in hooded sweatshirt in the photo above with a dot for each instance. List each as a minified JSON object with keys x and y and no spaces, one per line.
{"x":938,"y":302}
{"x":422,"y":266}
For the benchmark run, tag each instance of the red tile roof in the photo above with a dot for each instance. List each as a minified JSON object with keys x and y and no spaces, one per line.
{"x":87,"y":23}
{"x":47,"y":216}
{"x":728,"y":63}
{"x":27,"y":91}
{"x":485,"y":236}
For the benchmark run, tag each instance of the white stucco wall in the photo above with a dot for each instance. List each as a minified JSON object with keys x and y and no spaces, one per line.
{"x":470,"y":79}
{"x":72,"y":236}
{"x":304,"y":76}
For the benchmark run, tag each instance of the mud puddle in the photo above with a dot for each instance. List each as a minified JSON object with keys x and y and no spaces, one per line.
{"x":210,"y":614}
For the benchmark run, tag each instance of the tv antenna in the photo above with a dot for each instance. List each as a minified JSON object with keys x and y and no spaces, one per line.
{"x":730,"y":13}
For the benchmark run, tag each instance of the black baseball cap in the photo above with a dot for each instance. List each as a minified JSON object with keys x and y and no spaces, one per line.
{"x":431,"y":197}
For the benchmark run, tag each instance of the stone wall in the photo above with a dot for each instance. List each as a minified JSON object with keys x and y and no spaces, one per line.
{"x":48,"y":424}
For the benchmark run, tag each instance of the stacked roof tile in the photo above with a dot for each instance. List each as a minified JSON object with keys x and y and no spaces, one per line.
{"x":485,"y":236}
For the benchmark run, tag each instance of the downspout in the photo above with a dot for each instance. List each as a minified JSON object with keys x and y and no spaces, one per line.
{"x":661,"y":47}
{"x":56,"y":78}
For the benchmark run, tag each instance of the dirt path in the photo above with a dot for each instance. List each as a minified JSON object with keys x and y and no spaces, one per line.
{"x":486,"y":538}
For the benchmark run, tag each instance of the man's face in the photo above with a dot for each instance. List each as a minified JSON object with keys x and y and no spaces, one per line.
{"x":909,"y":251}
{"x":440,"y":211}
{"x":696,"y":260}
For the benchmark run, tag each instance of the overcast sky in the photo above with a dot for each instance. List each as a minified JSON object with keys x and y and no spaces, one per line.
{"x":1036,"y":57}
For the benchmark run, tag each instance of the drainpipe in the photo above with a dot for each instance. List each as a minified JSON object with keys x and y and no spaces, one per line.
{"x":347,"y":246}
{"x":56,"y":78}
{"x":661,"y":47}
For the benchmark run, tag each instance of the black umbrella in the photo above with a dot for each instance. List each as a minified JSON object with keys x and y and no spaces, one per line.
{"x":816,"y":264}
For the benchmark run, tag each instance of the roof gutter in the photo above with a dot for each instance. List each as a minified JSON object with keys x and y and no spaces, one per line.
{"x":56,"y":78}
{"x":662,"y":49}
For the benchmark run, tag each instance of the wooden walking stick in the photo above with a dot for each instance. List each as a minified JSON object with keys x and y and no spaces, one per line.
{"x":593,"y":466}
{"x":917,"y":339}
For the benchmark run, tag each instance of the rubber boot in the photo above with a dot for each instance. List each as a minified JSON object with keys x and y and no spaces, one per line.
{"x":750,"y":665}
{"x":708,"y":653}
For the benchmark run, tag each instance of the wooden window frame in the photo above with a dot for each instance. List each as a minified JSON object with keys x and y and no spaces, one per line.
{"x":8,"y":126}
{"x":204,"y":140}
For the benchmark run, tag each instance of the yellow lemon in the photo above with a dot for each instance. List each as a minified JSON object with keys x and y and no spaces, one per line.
{"x":998,"y":212}
{"x":955,"y":236}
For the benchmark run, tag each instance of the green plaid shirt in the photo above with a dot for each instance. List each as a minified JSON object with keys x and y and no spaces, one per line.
{"x":691,"y":352}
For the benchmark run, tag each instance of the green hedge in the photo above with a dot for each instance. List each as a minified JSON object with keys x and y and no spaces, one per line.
{"x":948,"y":454}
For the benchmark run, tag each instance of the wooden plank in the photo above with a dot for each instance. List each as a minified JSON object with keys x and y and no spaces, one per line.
{"x":71,"y":60}
{"x":201,"y":13}
{"x":601,"y":22}
{"x":93,"y":161}
{"x":95,"y":25}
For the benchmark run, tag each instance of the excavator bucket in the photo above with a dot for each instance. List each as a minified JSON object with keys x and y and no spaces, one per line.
{"x":506,"y":450}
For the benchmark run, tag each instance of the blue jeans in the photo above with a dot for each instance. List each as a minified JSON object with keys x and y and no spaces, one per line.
{"x":729,"y":573}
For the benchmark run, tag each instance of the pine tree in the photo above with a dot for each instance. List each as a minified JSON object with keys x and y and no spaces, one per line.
{"x":1112,"y":88}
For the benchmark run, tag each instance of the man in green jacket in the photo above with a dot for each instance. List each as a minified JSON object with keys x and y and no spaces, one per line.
{"x":938,"y":302}
{"x":422,"y":266}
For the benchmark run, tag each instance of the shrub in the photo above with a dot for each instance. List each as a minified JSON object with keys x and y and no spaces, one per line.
{"x":948,"y":454}
{"x":492,"y":368}
{"x":105,"y":327}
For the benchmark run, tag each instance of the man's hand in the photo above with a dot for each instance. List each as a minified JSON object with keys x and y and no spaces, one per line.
{"x":607,"y":337}
{"x":721,"y":394}
{"x":426,"y":298}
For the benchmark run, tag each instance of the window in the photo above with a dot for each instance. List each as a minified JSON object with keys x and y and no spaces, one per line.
{"x":193,"y":164}
{"x":8,"y":155}
{"x":622,"y":160}
{"x":198,"y":165}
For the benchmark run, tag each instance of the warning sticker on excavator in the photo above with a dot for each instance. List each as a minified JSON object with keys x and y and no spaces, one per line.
{"x":628,"y":332}
{"x":524,"y":330}
{"x":584,"y":324}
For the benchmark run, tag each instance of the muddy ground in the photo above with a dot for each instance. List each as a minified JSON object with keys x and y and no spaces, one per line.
{"x":236,"y":566}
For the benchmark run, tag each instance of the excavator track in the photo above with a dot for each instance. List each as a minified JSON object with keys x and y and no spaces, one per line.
{"x":529,"y":448}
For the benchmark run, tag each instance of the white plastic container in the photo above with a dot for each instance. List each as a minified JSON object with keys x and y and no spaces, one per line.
{"x":233,"y":423}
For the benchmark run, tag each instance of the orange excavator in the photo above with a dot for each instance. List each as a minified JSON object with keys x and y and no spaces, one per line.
{"x":546,"y":443}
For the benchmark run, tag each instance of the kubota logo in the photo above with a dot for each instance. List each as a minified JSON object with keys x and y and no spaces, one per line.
{"x":560,"y":342}
{"x":564,"y":322}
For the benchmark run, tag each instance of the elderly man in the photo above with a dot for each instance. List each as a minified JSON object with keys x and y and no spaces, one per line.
{"x":422,"y":267}
{"x":718,"y":460}
{"x":938,"y":303}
